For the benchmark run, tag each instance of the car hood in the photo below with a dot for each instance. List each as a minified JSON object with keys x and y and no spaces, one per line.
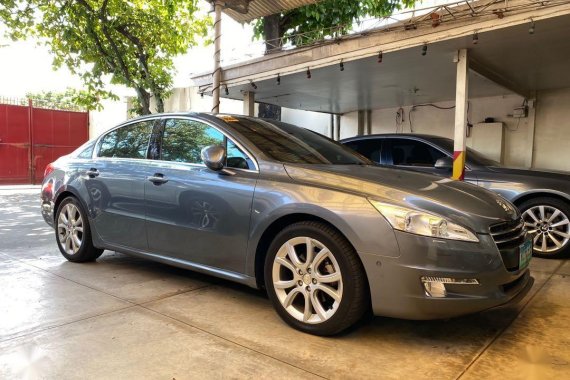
{"x":546,"y":174}
{"x":463,"y":203}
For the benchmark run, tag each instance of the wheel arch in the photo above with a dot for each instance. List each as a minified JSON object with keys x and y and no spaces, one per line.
{"x":272,"y":229}
{"x":540,"y":194}
{"x":66,"y":193}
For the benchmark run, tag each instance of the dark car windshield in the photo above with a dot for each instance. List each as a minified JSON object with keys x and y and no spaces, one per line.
{"x":472,"y":157}
{"x":290,"y":144}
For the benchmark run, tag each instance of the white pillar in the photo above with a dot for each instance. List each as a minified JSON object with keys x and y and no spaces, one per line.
{"x":249,"y":103}
{"x":461,"y":93}
{"x":337,"y":127}
{"x":217,"y":75}
{"x":361,"y":123}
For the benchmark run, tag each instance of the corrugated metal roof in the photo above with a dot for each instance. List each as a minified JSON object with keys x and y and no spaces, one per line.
{"x":259,"y":8}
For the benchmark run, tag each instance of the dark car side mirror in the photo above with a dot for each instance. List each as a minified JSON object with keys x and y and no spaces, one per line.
{"x":214,"y":157}
{"x":445,"y":163}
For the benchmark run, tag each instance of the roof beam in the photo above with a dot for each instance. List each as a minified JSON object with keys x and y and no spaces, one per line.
{"x":499,"y":78}
{"x":247,"y":10}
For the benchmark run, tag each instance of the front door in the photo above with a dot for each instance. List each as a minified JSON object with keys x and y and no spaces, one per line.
{"x":195,"y":214}
{"x":417,"y":155}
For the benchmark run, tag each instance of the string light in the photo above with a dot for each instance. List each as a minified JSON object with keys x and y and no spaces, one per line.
{"x":380,"y":56}
{"x":308,"y":73}
{"x":341,"y":65}
{"x":278,"y":79}
{"x":531,"y":29}
{"x":424,"y":49}
{"x":475,"y":38}
{"x":253,"y":85}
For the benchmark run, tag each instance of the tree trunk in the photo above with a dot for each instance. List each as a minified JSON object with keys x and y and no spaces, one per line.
{"x":159,"y":103}
{"x":144,"y":101}
{"x":272,"y":32}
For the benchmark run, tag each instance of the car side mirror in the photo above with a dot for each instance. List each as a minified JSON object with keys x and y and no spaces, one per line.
{"x":445,"y":163}
{"x":214,"y":157}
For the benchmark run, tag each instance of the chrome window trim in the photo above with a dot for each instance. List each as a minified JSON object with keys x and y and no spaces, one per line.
{"x":210,"y":124}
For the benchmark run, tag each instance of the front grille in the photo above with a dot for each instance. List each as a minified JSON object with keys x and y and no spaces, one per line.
{"x":508,"y":237}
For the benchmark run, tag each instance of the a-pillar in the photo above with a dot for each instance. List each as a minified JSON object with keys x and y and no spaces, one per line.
{"x":249,"y":103}
{"x":461,"y":94}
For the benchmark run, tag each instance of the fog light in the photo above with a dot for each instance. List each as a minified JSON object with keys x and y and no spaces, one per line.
{"x":435,"y":286}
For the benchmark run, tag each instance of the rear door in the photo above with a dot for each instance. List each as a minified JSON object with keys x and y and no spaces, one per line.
{"x":115,"y":182}
{"x":195,"y":214}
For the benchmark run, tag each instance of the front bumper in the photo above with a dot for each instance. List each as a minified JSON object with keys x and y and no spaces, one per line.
{"x":397,"y":290}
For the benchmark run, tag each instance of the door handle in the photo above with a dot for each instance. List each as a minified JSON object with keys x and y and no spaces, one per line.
{"x":157,"y":179}
{"x":92,"y":173}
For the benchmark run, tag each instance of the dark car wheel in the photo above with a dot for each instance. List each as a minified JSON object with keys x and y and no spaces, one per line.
{"x":73,"y":234}
{"x":315,"y":279}
{"x":547,"y":220}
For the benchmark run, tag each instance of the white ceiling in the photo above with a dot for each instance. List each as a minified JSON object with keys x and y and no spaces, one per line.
{"x":531,"y":62}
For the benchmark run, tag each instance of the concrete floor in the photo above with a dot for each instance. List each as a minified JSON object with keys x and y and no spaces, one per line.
{"x":123,"y":317}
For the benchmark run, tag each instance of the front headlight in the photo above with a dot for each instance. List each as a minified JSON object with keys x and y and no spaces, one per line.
{"x":422,"y":223}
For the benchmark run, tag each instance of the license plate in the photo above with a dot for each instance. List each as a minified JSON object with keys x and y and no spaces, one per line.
{"x":525,"y":253}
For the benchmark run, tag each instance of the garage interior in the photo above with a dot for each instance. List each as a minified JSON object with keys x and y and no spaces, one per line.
{"x":518,"y":53}
{"x":126,"y":317}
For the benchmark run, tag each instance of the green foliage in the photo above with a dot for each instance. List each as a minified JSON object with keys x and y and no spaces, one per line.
{"x":315,"y":19}
{"x":183,"y":140}
{"x":71,"y":99}
{"x":129,"y":42}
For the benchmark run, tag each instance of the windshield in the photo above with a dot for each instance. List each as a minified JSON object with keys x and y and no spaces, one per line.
{"x":473,"y":157}
{"x":290,"y":144}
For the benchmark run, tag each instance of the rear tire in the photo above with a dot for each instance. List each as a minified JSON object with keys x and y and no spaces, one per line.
{"x":548,"y":221}
{"x":73,"y":233}
{"x":322,"y":292}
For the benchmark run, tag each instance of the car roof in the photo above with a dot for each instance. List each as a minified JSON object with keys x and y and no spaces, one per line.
{"x":392,"y":135}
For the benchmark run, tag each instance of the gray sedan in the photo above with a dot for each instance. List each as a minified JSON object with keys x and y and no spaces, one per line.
{"x":329,"y":234}
{"x":542,"y":197}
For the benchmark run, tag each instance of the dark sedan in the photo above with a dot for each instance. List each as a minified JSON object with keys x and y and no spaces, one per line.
{"x":542,"y":197}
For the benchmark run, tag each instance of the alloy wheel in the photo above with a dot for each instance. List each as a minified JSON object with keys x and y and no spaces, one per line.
{"x":307,"y":280}
{"x":549,"y":227}
{"x":70,"y":229}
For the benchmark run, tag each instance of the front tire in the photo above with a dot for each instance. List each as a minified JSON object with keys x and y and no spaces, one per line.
{"x":548,"y":221}
{"x":73,"y":234}
{"x":315,"y":279}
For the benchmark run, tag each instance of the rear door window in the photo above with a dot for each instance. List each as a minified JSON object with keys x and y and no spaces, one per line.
{"x":369,"y":148}
{"x":130,"y":141}
{"x":407,"y":152}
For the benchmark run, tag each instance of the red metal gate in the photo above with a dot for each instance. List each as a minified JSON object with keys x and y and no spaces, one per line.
{"x":31,"y":138}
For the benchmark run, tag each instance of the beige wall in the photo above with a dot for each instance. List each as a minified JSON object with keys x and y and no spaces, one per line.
{"x":552,"y":130}
{"x":552,"y":125}
{"x":552,"y":140}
